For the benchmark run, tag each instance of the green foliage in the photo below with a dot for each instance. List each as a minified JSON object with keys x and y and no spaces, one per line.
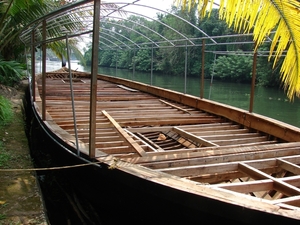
{"x":236,"y":68}
{"x":106,"y":58}
{"x":123,"y":58}
{"x":11,"y":72}
{"x":143,"y":60}
{"x":15,"y":15}
{"x":88,"y":56}
{"x":6,"y":112}
{"x":268,"y":76}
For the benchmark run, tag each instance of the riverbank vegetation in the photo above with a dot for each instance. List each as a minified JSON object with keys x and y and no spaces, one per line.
{"x":14,"y":17}
{"x":236,"y":66}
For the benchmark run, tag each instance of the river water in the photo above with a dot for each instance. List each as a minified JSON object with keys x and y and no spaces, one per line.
{"x":271,"y":102}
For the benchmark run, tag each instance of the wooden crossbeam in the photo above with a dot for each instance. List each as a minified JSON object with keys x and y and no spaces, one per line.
{"x":279,"y":185}
{"x":193,"y":137}
{"x":151,"y":143}
{"x":288,"y":166}
{"x":257,"y":185}
{"x":247,"y":187}
{"x":125,"y":135}
{"x":288,"y":200}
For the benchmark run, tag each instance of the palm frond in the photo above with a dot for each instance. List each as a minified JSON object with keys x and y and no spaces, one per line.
{"x":264,"y":17}
{"x":11,"y":72}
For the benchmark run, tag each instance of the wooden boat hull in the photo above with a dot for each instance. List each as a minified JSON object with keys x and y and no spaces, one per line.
{"x":113,"y":191}
{"x":148,"y":194}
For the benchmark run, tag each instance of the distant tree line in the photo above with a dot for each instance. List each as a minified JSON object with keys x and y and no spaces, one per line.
{"x":235,"y":67}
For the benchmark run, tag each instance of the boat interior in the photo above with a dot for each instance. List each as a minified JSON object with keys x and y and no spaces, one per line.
{"x":173,"y":138}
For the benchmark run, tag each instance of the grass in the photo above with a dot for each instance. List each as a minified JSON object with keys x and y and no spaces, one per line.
{"x":6,"y":112}
{"x":4,"y":156}
{"x":2,"y":216}
{"x":6,"y":115}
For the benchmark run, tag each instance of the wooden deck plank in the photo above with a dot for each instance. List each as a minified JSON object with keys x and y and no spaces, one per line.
{"x":242,"y":156}
{"x":193,"y":170}
{"x":230,"y":136}
{"x":210,"y":151}
{"x":174,"y":106}
{"x":215,"y":168}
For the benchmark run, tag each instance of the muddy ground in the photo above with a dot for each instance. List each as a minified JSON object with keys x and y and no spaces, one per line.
{"x":20,"y":198}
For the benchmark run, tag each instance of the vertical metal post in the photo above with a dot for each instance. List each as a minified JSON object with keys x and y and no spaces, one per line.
{"x":185,"y":67}
{"x":116,"y":61}
{"x":133,"y":71}
{"x":72,"y":94}
{"x":151,"y":65}
{"x":202,"y":65}
{"x":253,"y":79}
{"x":44,"y":49}
{"x":33,"y":65}
{"x":94,"y":73}
{"x":212,"y":76}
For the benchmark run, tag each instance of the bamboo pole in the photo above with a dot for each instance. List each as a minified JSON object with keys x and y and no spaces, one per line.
{"x":94,"y":73}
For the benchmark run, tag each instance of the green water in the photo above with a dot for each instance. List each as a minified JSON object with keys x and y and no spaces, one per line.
{"x":271,"y":102}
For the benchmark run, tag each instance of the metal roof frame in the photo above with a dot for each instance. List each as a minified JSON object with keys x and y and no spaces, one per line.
{"x":108,"y":12}
{"x":89,"y":12}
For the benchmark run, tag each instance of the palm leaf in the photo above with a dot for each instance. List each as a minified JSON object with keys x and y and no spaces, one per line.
{"x":263,"y":17}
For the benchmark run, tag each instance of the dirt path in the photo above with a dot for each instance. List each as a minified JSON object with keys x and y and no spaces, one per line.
{"x":20,"y":199}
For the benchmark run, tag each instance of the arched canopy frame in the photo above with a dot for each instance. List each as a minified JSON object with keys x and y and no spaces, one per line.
{"x":89,"y":16}
{"x":81,"y":12}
